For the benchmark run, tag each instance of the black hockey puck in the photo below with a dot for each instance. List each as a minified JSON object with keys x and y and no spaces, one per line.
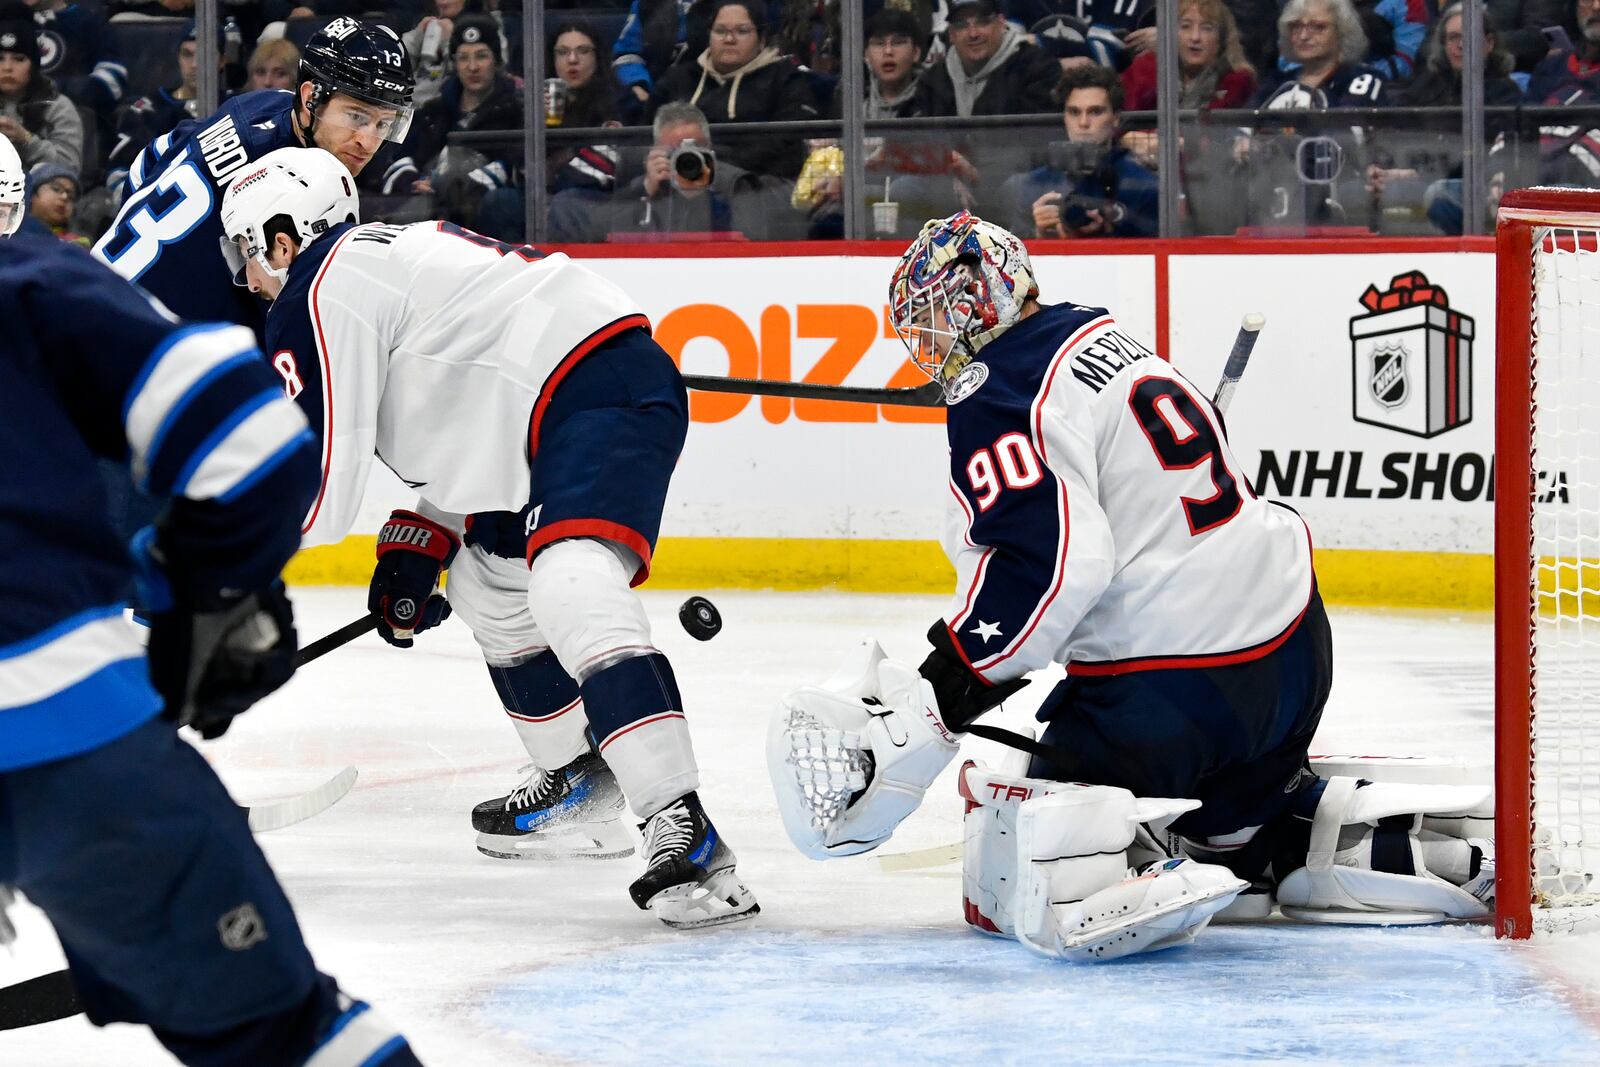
{"x":701,"y":618}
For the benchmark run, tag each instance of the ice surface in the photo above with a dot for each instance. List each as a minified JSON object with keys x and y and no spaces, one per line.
{"x":488,"y":962}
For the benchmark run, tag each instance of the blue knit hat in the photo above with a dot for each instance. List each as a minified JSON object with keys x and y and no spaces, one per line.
{"x":45,"y":173}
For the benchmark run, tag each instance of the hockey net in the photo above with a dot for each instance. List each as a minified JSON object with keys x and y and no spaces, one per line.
{"x":1547,"y":561}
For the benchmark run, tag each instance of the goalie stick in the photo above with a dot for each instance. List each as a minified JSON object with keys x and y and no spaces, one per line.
{"x":944,"y":855}
{"x":931,"y":395}
{"x":921,"y":396}
{"x":48,"y":997}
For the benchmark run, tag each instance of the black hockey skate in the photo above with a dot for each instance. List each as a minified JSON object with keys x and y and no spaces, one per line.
{"x":571,"y":813}
{"x":689,"y":880}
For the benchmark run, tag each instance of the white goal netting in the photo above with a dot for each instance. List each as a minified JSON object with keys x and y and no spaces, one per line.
{"x":1565,"y":502}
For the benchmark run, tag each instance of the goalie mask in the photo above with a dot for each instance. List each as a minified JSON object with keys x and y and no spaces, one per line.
{"x":13,"y":182}
{"x":307,"y":188}
{"x":961,"y":284}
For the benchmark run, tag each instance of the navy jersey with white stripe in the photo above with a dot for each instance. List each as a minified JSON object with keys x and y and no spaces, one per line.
{"x":167,"y":235}
{"x":1098,"y":518}
{"x":94,"y":370}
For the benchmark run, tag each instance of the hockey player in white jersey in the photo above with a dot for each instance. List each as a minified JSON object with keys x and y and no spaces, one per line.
{"x":524,"y":399}
{"x":1098,"y":520}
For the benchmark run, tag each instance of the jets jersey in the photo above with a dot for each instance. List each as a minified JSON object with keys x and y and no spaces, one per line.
{"x":167,"y":235}
{"x":436,"y":350}
{"x":93,"y":370}
{"x":1099,"y":519}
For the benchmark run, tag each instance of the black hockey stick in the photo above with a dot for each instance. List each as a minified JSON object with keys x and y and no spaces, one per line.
{"x":921,"y":396}
{"x":48,"y":997}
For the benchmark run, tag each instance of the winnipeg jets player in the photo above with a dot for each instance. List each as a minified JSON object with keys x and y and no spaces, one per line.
{"x":1099,"y":520}
{"x":524,"y":399}
{"x":353,"y":94}
{"x":112,"y":824}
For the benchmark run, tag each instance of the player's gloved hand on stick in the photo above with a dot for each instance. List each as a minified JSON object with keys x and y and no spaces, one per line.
{"x":412,"y":552}
{"x":212,"y":660}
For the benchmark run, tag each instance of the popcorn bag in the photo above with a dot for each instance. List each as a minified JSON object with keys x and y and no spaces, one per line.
{"x":1412,"y":359}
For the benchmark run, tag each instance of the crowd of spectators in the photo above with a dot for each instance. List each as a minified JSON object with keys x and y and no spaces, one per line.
{"x":85,"y":85}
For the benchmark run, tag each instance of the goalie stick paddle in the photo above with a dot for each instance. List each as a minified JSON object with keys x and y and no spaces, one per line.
{"x":48,"y":997}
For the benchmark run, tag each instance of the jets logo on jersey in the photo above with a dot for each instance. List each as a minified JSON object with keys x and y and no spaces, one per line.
{"x":966,"y":383}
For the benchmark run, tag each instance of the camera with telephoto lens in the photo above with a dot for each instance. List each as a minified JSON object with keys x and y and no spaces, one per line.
{"x":1075,"y":210}
{"x":692,"y":163}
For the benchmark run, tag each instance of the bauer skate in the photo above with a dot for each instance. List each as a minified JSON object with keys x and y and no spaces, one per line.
{"x":574,"y":812}
{"x":689,"y":879}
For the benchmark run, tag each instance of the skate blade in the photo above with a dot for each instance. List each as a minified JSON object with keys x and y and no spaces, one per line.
{"x":602,"y":841}
{"x":719,"y":900}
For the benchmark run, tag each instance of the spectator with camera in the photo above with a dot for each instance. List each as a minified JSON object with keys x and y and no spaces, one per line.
{"x":739,"y":78}
{"x":990,"y":69}
{"x":1091,"y":187}
{"x":688,"y":187}
{"x":42,"y":124}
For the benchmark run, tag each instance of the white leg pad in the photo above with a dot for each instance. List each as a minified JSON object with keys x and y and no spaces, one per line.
{"x":989,"y":853}
{"x":1076,"y":897}
{"x":555,"y":740}
{"x":1338,"y":884}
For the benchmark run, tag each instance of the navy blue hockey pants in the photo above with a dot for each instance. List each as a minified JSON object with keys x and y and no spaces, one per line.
{"x":1233,"y":737}
{"x":164,"y":904}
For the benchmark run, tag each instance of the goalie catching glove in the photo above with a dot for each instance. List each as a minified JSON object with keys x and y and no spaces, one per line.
{"x":852,"y":757}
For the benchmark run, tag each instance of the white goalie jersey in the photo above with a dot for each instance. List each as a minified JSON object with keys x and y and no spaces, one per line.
{"x":1099,"y":518}
{"x":435,"y":349}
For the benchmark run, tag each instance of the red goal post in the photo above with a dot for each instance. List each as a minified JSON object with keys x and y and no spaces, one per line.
{"x":1547,"y":560}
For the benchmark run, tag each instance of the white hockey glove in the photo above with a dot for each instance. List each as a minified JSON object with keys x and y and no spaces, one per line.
{"x":852,"y":757}
{"x":1076,"y":897}
{"x":1432,"y":866}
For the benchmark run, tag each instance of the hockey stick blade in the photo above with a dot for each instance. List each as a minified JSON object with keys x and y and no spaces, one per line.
{"x":265,"y":818}
{"x":921,"y":859}
{"x":1238,"y":359}
{"x":921,"y":396}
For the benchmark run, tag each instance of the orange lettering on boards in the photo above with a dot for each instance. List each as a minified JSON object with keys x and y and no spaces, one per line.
{"x":852,"y":329}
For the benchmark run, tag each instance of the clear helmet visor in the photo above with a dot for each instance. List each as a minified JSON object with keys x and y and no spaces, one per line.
{"x":360,"y":117}
{"x":234,"y":255}
{"x":10,"y":216}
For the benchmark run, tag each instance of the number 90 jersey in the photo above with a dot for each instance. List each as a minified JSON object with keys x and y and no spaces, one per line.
{"x":1099,"y":518}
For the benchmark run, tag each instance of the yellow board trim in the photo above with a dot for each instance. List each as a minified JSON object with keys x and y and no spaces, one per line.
{"x":1347,"y":576}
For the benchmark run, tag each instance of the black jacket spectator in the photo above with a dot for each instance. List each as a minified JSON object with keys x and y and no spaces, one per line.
{"x":1019,"y":79}
{"x":770,"y":88}
{"x":435,"y":121}
{"x":1519,"y":23}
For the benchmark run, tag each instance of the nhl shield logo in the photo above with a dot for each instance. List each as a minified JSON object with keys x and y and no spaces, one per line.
{"x":241,"y":928}
{"x":1387,"y":380}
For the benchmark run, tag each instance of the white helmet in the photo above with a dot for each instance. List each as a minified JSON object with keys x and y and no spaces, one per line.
{"x":13,"y":182}
{"x":307,"y":186}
